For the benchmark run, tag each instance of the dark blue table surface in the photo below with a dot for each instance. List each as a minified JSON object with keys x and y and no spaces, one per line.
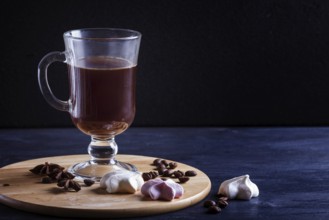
{"x":290,"y":165}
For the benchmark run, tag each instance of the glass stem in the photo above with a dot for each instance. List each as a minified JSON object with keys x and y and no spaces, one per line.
{"x":102,"y":150}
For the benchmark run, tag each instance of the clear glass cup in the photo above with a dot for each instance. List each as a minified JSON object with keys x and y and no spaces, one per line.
{"x":102,"y":65}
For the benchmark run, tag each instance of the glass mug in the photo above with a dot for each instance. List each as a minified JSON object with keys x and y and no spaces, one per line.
{"x":102,"y":77}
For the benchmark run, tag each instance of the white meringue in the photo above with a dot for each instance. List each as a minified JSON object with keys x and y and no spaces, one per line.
{"x":122,"y":181}
{"x":239,"y":188}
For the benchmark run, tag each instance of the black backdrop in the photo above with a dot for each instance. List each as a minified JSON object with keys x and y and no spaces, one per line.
{"x":201,"y":63}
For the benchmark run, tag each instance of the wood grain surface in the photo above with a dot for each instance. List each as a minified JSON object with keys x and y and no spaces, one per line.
{"x":26,"y":192}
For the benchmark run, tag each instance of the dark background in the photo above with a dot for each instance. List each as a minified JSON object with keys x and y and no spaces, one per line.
{"x":202,"y":63}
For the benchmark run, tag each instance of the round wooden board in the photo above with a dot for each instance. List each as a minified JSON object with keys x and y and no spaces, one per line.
{"x":26,"y":192}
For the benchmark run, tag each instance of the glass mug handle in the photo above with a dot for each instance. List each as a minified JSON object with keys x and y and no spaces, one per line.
{"x":43,"y":80}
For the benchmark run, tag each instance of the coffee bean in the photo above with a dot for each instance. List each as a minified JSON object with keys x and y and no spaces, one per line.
{"x":154,"y":174}
{"x":172,"y":165}
{"x":209,"y":203}
{"x":214,"y":209}
{"x":6,"y":184}
{"x":164,"y":162}
{"x":162,"y":171}
{"x":156,"y":162}
{"x":190,"y":173}
{"x":183,"y":179}
{"x":222,"y":203}
{"x":161,"y":166}
{"x":178,"y":174}
{"x":149,"y":175}
{"x":168,"y":173}
{"x":88,"y":182}
{"x":146,"y":176}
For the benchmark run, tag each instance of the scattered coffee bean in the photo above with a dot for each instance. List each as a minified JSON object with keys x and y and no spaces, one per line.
{"x":222,"y":203}
{"x":209,"y":203}
{"x":156,"y":162}
{"x":149,"y":175}
{"x":161,"y":166}
{"x":154,"y":174}
{"x":183,"y":179}
{"x":178,"y":174}
{"x":165,"y":163}
{"x":6,"y":184}
{"x":166,"y":169}
{"x":168,"y":173}
{"x":88,"y":182}
{"x":214,"y":209}
{"x":190,"y":173}
{"x":161,"y":170}
{"x":146,"y":176}
{"x":172,"y":165}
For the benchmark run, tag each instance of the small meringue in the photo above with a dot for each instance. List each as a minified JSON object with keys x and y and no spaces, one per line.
{"x":162,"y":190}
{"x":122,"y":181}
{"x":239,"y":188}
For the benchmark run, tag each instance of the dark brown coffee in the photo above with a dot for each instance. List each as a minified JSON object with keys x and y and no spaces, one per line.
{"x":102,"y":95}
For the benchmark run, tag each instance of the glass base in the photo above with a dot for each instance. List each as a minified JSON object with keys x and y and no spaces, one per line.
{"x":102,"y":152}
{"x":96,"y":170}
